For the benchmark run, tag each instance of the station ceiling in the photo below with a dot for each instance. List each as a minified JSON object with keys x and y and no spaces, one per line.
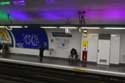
{"x":60,"y":11}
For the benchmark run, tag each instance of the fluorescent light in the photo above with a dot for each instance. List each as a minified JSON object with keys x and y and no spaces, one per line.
{"x":2,"y":26}
{"x":15,"y":27}
{"x":68,"y":27}
{"x":10,"y":27}
{"x":48,"y":27}
{"x":25,"y":26}
{"x":5,"y":27}
{"x":115,"y":28}
{"x":85,"y":31}
{"x":90,"y":28}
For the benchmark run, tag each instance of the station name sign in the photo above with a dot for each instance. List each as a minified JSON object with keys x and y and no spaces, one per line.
{"x":61,"y":34}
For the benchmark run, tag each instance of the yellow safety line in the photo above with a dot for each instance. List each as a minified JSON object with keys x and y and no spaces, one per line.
{"x":79,"y":70}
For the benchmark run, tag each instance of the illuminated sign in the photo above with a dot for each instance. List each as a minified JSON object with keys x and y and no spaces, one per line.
{"x":3,"y":16}
{"x":5,"y":3}
{"x":12,"y":2}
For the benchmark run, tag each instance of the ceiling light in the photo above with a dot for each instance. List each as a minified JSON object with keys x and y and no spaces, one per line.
{"x":2,"y":26}
{"x":10,"y":27}
{"x":15,"y":26}
{"x":48,"y":27}
{"x":90,"y":28}
{"x":6,"y":27}
{"x":25,"y":26}
{"x":85,"y":31}
{"x":68,"y":27}
{"x":115,"y":28}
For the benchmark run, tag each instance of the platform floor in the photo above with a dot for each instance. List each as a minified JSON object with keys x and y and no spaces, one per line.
{"x":50,"y":60}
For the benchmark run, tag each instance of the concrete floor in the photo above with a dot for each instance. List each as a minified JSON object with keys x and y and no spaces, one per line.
{"x":50,"y":60}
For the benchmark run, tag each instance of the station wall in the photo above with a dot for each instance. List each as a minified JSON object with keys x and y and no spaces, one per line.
{"x":56,"y":43}
{"x":62,"y":49}
{"x":56,"y":46}
{"x":122,"y":48}
{"x":93,"y":48}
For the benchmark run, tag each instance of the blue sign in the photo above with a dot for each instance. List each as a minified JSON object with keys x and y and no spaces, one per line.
{"x":30,"y":37}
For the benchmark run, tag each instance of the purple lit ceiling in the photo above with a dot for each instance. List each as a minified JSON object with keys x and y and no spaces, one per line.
{"x":18,"y":15}
{"x":18,"y":2}
{"x":58,"y":11}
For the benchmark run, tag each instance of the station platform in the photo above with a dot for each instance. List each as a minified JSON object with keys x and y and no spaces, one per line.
{"x":112,"y":72}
